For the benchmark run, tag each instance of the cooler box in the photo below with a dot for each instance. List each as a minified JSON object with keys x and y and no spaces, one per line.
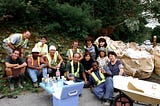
{"x":68,"y":95}
{"x":50,"y":90}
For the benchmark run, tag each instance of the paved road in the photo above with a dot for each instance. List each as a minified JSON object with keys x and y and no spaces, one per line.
{"x":44,"y":99}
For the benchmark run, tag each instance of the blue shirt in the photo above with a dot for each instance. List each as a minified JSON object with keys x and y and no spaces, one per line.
{"x":115,"y":68}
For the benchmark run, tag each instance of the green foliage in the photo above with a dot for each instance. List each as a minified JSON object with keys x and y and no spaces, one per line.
{"x":4,"y":86}
{"x":132,"y":24}
{"x":78,"y":18}
{"x":51,"y":17}
{"x":127,"y":35}
{"x":73,"y":21}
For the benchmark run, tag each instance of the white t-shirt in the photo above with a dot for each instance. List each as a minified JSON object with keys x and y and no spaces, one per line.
{"x":15,"y":39}
{"x":103,"y":62}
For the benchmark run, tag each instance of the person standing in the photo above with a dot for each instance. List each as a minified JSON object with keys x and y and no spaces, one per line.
{"x":75,"y":49}
{"x":90,"y":47}
{"x":42,"y":46}
{"x":15,"y":67}
{"x":16,"y":41}
{"x":102,"y":44}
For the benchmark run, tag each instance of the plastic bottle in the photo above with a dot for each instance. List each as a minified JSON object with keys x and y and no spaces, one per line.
{"x":62,"y":80}
{"x":54,"y":81}
{"x":58,"y":74}
{"x":50,"y":82}
{"x":47,"y":80}
{"x":58,"y":77}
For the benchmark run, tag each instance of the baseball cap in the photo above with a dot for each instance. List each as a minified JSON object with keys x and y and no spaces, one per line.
{"x":102,"y":49}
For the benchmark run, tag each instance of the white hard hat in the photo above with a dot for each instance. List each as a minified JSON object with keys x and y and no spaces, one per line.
{"x":35,"y":50}
{"x":52,"y":47}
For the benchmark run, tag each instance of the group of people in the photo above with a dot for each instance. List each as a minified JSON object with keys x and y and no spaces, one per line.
{"x":95,"y":65}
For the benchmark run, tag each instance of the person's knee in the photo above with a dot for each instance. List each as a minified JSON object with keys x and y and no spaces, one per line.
{"x":8,"y":72}
{"x":97,"y":93}
{"x":109,"y":79}
{"x":23,"y":70}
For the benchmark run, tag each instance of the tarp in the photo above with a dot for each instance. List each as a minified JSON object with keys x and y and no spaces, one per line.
{"x":137,"y":61}
{"x":156,"y":52}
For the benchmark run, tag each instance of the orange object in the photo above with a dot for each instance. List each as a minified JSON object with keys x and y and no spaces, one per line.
{"x":9,"y":73}
{"x":154,"y":41}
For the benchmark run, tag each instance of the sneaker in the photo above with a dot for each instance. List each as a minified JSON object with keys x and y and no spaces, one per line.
{"x":20,"y":85}
{"x":12,"y":96}
{"x":35,"y":84}
{"x":11,"y":86}
{"x":107,"y":103}
{"x":23,"y":82}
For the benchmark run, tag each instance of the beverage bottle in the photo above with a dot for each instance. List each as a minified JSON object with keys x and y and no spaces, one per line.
{"x":58,"y":74}
{"x":58,"y":77}
{"x":47,"y":80}
{"x":62,"y":80}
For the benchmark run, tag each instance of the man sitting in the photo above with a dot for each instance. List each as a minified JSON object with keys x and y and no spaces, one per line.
{"x":15,"y":68}
{"x":75,"y":70}
{"x":54,"y":60}
{"x":101,"y":83}
{"x":36,"y":66}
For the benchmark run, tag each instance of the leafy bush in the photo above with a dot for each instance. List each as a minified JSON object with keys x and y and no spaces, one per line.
{"x":51,"y":17}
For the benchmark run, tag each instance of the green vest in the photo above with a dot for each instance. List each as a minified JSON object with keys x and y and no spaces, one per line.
{"x":71,"y":52}
{"x":76,"y":74}
{"x":50,"y":59}
{"x":42,"y":50}
{"x":21,"y":43}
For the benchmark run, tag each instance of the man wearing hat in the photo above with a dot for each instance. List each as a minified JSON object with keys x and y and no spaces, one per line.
{"x":54,"y":60}
{"x":36,"y":66}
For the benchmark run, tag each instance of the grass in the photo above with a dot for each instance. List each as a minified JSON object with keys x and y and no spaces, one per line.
{"x":5,"y":91}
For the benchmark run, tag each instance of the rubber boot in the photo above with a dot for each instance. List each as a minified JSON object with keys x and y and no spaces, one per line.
{"x":21,"y":76}
{"x":11,"y":83}
{"x":20,"y":83}
{"x":35,"y":84}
